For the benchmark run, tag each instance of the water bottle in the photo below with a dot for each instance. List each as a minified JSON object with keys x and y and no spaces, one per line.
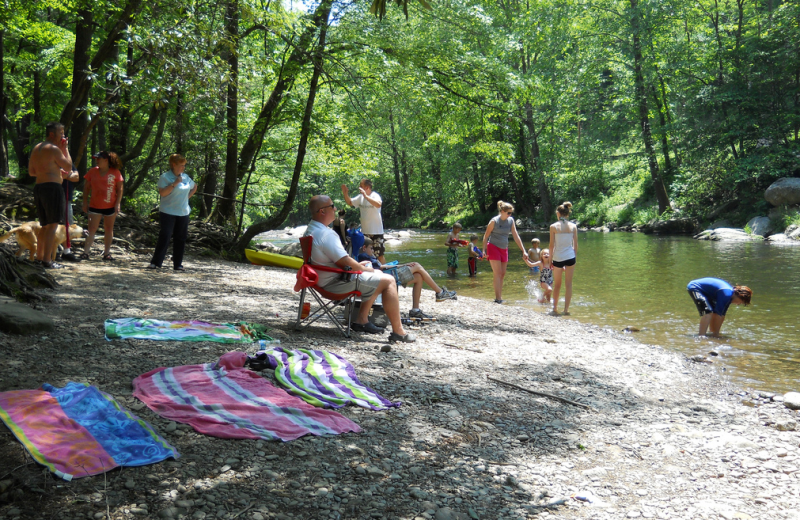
{"x":262,"y":343}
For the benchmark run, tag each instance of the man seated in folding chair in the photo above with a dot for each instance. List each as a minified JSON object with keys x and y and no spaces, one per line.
{"x":327,"y":251}
{"x":406,"y":274}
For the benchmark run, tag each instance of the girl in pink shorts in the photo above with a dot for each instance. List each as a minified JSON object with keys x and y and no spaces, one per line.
{"x":495,"y":243}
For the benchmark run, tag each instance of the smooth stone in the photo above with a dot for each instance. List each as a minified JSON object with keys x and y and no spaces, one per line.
{"x":785,"y":190}
{"x":791,"y":400}
{"x":16,"y":318}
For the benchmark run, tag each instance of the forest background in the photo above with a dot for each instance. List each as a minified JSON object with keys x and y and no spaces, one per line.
{"x":629,"y":108}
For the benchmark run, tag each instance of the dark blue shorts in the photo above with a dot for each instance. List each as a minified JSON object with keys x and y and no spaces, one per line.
{"x":701,"y":301}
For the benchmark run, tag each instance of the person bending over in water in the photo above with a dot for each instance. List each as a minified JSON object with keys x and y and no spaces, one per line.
{"x":546,"y":275}
{"x":712,"y":297}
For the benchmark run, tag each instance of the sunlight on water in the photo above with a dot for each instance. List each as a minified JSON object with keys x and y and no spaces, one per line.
{"x":626,"y":279}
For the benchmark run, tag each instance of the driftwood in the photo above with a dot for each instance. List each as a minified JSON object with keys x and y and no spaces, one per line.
{"x":462,"y":348}
{"x":541,"y":394}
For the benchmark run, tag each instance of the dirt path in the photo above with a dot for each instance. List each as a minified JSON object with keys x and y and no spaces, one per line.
{"x":665,"y":438}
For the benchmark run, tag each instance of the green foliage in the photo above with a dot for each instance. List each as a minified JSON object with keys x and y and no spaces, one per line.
{"x":449,"y":110}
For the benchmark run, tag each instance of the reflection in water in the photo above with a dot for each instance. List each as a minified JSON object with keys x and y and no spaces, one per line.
{"x":625,"y":279}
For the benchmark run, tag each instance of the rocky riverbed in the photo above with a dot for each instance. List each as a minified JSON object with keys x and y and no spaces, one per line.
{"x":658,"y":435}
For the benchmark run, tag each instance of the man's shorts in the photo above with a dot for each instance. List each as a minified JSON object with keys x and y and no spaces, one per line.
{"x":51,"y":205}
{"x":367,"y":284}
{"x":703,"y":304}
{"x":378,"y":245}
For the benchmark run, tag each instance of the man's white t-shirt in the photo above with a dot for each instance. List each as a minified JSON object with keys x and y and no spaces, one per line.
{"x":371,"y":220}
{"x":327,"y":249}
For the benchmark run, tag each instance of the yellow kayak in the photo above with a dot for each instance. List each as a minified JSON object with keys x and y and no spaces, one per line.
{"x":264,"y":258}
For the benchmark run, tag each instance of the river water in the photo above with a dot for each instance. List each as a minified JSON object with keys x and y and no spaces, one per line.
{"x":632,"y":279}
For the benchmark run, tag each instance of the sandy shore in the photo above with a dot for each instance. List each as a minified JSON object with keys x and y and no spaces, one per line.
{"x":664,"y":437}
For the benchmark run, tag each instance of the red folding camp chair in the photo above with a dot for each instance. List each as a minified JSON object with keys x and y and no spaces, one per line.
{"x":307,"y":278}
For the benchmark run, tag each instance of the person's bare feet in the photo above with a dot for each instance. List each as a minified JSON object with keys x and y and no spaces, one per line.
{"x":566,"y":313}
{"x":554,"y":313}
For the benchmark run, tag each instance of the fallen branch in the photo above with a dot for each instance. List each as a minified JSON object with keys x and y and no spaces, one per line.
{"x":554,"y":503}
{"x":493,"y":463}
{"x":462,"y":348}
{"x":541,"y":394}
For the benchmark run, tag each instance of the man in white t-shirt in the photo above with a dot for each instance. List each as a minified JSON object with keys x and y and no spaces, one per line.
{"x":328,"y":251}
{"x":369,"y":202}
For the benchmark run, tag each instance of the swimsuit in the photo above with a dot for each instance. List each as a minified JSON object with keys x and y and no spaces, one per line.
{"x":547,"y":275}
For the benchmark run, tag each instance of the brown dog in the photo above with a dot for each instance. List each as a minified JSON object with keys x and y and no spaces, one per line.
{"x":27,"y":232}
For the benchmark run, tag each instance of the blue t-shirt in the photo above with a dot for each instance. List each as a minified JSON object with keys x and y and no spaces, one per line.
{"x":177,"y":202}
{"x":719,"y":293}
{"x":365,"y":257}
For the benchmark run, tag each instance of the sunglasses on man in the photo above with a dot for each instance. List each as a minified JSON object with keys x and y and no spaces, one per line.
{"x":326,"y":207}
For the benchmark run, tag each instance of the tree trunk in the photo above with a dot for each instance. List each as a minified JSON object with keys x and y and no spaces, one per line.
{"x":80,"y":90}
{"x":477,"y":187}
{"x":144,"y":135}
{"x":664,"y":134}
{"x":527,"y":189}
{"x":644,"y":111}
{"x":396,"y":166}
{"x":305,"y":130}
{"x":4,"y":170}
{"x":406,"y":196}
{"x":79,"y":121}
{"x":21,"y":144}
{"x":225,"y":210}
{"x":535,"y":162}
{"x":286,"y":76}
{"x":133,"y":182}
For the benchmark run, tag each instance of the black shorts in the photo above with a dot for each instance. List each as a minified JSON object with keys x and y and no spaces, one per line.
{"x":50,"y":202}
{"x":565,"y":263}
{"x":701,"y":301}
{"x":105,"y":212}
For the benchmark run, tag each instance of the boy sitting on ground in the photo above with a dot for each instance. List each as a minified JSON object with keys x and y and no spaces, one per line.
{"x":406,"y":274}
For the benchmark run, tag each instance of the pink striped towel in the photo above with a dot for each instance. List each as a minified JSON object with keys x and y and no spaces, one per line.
{"x":226,"y":400}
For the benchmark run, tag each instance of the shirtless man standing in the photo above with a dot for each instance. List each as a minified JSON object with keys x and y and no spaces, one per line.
{"x":50,"y":163}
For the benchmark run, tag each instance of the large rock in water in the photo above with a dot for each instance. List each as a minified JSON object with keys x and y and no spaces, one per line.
{"x":760,"y":226}
{"x":292,"y":249}
{"x":784,"y":191}
{"x":673,"y":226}
{"x":17,"y":318}
{"x":727,"y":234}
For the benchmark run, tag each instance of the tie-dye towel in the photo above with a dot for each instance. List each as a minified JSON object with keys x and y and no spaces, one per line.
{"x":140,"y":328}
{"x":322,"y":378}
{"x":224,"y":399}
{"x":78,"y":431}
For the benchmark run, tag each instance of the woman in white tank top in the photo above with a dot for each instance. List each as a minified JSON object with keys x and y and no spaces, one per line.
{"x":564,"y":247}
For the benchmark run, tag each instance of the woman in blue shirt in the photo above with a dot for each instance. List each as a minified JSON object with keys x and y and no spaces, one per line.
{"x":712,"y":297}
{"x":175,"y":189}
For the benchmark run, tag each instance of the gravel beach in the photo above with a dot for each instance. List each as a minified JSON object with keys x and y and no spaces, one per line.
{"x":657,"y":435}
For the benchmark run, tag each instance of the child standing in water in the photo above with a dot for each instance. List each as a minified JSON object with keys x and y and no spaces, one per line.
{"x":475,"y":254}
{"x":546,"y":277}
{"x":533,"y":254}
{"x":453,"y":243}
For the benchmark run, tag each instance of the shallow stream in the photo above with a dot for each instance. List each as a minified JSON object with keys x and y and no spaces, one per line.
{"x":632,"y":279}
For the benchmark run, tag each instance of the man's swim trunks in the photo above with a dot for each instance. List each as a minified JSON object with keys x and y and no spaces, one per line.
{"x":48,"y":197}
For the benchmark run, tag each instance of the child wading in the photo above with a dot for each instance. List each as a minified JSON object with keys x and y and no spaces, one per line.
{"x":475,"y":254}
{"x":453,"y":243}
{"x":533,"y":254}
{"x":546,"y":276}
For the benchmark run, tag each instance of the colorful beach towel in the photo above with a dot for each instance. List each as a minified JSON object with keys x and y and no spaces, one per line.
{"x":78,"y":431}
{"x":226,"y":400}
{"x":140,"y":328}
{"x":322,"y":378}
